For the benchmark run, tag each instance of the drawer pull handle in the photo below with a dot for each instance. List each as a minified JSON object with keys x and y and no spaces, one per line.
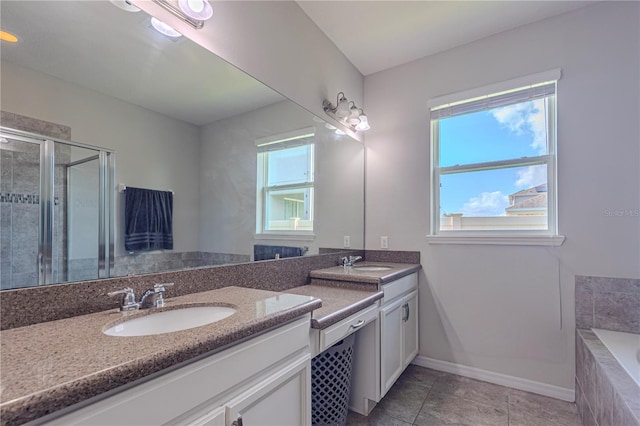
{"x":359,"y":324}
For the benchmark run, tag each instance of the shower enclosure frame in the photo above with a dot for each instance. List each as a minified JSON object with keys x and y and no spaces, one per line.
{"x":106,"y":201}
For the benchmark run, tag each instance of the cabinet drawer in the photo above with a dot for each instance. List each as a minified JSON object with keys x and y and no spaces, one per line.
{"x":400,"y":287}
{"x":339,"y":331}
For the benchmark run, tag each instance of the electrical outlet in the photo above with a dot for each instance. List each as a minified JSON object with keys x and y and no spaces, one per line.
{"x":347,"y":241}
{"x":384,"y":242}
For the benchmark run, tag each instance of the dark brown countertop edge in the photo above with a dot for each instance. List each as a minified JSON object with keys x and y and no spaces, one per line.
{"x":328,"y":320}
{"x":35,"y":406}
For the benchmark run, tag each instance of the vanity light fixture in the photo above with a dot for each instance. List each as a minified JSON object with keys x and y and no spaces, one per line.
{"x":364,"y":122}
{"x":347,"y":112}
{"x":196,"y":9}
{"x":193,"y":12}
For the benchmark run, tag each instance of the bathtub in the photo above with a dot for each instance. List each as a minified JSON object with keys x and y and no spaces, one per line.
{"x":625,"y":347}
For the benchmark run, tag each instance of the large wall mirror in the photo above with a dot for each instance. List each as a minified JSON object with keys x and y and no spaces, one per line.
{"x":234,"y":152}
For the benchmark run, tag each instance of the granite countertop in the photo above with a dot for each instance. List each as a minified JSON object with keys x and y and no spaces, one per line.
{"x":338,"y":303}
{"x":356,"y":275}
{"x":53,"y":365}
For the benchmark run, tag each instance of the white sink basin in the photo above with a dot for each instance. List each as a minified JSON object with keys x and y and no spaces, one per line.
{"x":169,"y":321}
{"x":365,"y":268}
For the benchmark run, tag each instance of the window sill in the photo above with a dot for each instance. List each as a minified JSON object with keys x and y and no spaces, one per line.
{"x":500,"y":240}
{"x":285,"y":236}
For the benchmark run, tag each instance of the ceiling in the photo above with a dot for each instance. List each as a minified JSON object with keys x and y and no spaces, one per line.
{"x":183,"y":80}
{"x":376,"y":35}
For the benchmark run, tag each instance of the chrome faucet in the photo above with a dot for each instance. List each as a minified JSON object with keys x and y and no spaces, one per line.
{"x":151,"y":298}
{"x":349,"y":261}
{"x":128,"y":299}
{"x":154,"y":297}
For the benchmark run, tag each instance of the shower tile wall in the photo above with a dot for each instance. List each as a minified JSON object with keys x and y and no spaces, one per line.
{"x":19,"y":202}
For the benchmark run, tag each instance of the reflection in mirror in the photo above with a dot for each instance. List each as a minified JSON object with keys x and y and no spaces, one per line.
{"x":179,"y":118}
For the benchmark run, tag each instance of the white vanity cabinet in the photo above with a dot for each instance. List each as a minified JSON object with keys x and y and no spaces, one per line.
{"x":265,"y":380}
{"x":398,"y":329}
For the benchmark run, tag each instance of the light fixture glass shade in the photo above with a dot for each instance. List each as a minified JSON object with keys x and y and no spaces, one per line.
{"x":354,"y":116}
{"x":164,"y":29}
{"x":364,"y":123}
{"x":342,"y":109}
{"x":196,"y":9}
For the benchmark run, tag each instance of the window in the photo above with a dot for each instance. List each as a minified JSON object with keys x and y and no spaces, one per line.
{"x":285,"y":183}
{"x":493,"y":160}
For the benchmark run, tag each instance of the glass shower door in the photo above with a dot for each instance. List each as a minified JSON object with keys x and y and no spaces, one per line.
{"x":56,"y":209}
{"x":20,"y":209}
{"x":79,"y":248}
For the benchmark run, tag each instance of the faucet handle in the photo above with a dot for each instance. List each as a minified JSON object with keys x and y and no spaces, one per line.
{"x":128,"y":300}
{"x":159,"y":289}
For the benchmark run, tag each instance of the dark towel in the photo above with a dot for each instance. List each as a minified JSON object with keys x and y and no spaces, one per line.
{"x":148,"y":218}
{"x":262,"y":252}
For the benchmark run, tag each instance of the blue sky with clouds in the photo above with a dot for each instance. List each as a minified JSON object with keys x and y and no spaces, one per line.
{"x":513,"y":131}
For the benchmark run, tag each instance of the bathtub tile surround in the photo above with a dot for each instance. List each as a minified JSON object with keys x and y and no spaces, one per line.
{"x":605,"y":393}
{"x":149,"y":263}
{"x":608,"y":303}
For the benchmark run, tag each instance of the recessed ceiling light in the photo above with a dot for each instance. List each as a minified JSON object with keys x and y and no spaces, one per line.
{"x":125,"y":5}
{"x":8,"y":37}
{"x":164,"y":29}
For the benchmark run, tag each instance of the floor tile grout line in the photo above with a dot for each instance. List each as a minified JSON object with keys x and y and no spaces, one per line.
{"x":423,"y":402}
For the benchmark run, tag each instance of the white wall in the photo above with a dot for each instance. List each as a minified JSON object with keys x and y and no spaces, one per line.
{"x":276,"y":43}
{"x":510,"y":310}
{"x":228,"y":165}
{"x":152,"y":150}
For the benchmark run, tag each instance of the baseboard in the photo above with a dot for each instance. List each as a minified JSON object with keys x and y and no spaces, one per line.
{"x":497,"y":378}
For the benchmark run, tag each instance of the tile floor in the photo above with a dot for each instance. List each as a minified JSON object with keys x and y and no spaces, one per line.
{"x":423,"y":397}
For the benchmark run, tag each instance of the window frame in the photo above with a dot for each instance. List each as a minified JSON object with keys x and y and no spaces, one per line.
{"x":264,"y":145}
{"x":547,"y":236}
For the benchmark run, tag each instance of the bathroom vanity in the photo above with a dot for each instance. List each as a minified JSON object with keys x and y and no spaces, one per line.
{"x":387,"y":339}
{"x":235,"y":364}
{"x":254,"y":364}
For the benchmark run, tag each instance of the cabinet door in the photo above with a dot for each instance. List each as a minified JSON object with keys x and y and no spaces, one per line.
{"x":410,"y":332}
{"x":281,"y":399}
{"x":391,"y":342}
